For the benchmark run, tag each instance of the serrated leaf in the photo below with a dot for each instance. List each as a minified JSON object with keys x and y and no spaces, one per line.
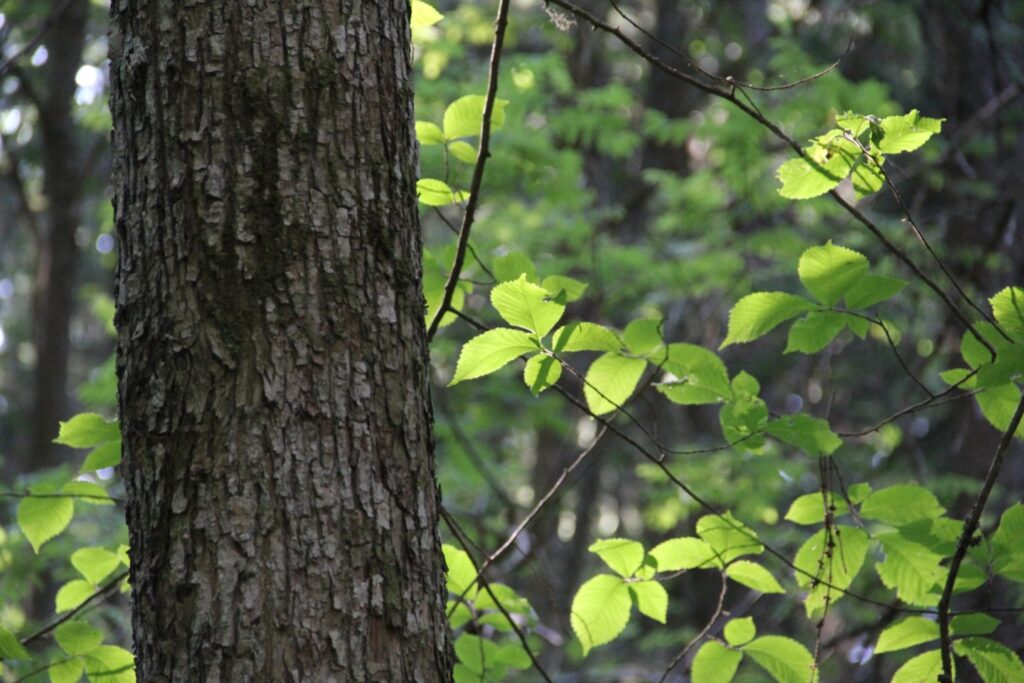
{"x":107,"y":455}
{"x":704,"y":377}
{"x":584,"y":337}
{"x":461,"y":573}
{"x":110,"y":664}
{"x":463,"y":151}
{"x":428,"y":133}
{"x":728,"y":537}
{"x":40,"y":519}
{"x":491,"y":351}
{"x":95,"y":564}
{"x":924,"y":668}
{"x":1008,"y":309}
{"x":557,"y":284}
{"x":814,"y":331}
{"x":810,"y":508}
{"x":755,"y":315}
{"x":651,"y":599}
{"x":76,"y":637}
{"x":423,"y":15}
{"x":72,"y":594}
{"x":998,"y":405}
{"x":907,"y":633}
{"x":684,"y":553}
{"x":434,"y":192}
{"x":785,"y":659}
{"x":803,"y":179}
{"x":753,"y":575}
{"x":872,"y":289}
{"x":611,"y":380}
{"x":994,"y":661}
{"x":977,"y":624}
{"x":11,"y":647}
{"x":911,"y":569}
{"x":849,"y":551}
{"x":621,"y":554}
{"x":66,"y":670}
{"x":907,"y":132}
{"x":512,"y":265}
{"x":541,"y":372}
{"x":643,"y":336}
{"x":867,"y":177}
{"x":715,"y":663}
{"x":90,"y":492}
{"x":740,"y":631}
{"x":600,"y":611}
{"x":526,"y":305}
{"x":829,"y":271}
{"x":87,"y":430}
{"x":464,"y":116}
{"x":902,"y":504}
{"x":810,"y":434}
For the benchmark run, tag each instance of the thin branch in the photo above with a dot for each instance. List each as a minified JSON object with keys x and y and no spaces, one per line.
{"x":719,"y":608}
{"x":500,"y":24}
{"x":966,"y":536}
{"x":37,"y":39}
{"x":101,"y":592}
{"x":84,"y":496}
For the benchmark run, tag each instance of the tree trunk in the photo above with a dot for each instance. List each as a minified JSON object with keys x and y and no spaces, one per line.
{"x":272,"y":357}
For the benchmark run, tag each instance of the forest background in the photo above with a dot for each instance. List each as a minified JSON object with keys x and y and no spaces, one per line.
{"x":662,"y":199}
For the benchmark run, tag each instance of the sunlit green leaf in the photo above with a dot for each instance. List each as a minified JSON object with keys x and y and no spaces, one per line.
{"x":810,"y":434}
{"x":753,"y":575}
{"x":814,"y":331}
{"x":872,"y":289}
{"x":906,"y":633}
{"x":461,"y":573}
{"x":76,"y":637}
{"x":994,"y":661}
{"x":110,"y":664}
{"x":837,"y":568}
{"x":924,"y":668}
{"x":464,"y":116}
{"x":584,"y":337}
{"x":526,"y":305}
{"x":740,"y":631}
{"x":621,"y":554}
{"x":541,"y":372}
{"x":423,"y":15}
{"x":715,"y":663}
{"x":728,"y":537}
{"x":810,"y":508}
{"x":88,"y":430}
{"x":785,"y":659}
{"x":611,"y":380}
{"x":600,"y":610}
{"x":11,"y":647}
{"x":41,"y":519}
{"x":908,"y":132}
{"x":755,"y":315}
{"x":491,"y":351}
{"x":651,"y":599}
{"x":72,"y":594}
{"x":829,"y":271}
{"x":902,"y":504}
{"x":95,"y":564}
{"x":684,"y":553}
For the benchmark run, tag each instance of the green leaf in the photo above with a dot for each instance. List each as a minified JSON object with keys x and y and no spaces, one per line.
{"x":907,"y":633}
{"x":110,"y":664}
{"x":541,"y":372}
{"x":684,"y":553}
{"x":525,"y":305}
{"x":643,"y":336}
{"x":434,"y":192}
{"x":11,"y":647}
{"x":867,"y":177}
{"x":491,"y":351}
{"x":621,"y":554}
{"x":66,"y":670}
{"x":463,"y":151}
{"x":810,"y":434}
{"x":95,"y":564}
{"x":900,"y":505}
{"x":611,"y":380}
{"x":90,"y":492}
{"x":850,"y":548}
{"x":41,"y":519}
{"x":107,"y":455}
{"x":1008,"y":309}
{"x":785,"y":659}
{"x":740,"y":631}
{"x":584,"y":337}
{"x":428,"y":133}
{"x":423,"y":15}
{"x":924,"y":668}
{"x":908,"y":132}
{"x":510,"y":266}
{"x":715,"y":663}
{"x":72,"y":594}
{"x":703,"y":377}
{"x":600,"y":610}
{"x":810,"y":508}
{"x":744,"y":420}
{"x":556,"y":284}
{"x":651,"y":599}
{"x":829,"y":271}
{"x":911,"y":569}
{"x":755,"y":315}
{"x":995,"y":662}
{"x":728,"y":537}
{"x":464,"y":116}
{"x":803,"y":179}
{"x":872,"y":289}
{"x":76,"y":637}
{"x":998,"y":405}
{"x":461,"y":573}
{"x":977,"y":624}
{"x":87,"y":430}
{"x":814,"y":331}
{"x":753,"y":575}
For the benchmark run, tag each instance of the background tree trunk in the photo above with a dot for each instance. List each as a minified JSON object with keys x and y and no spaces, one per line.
{"x":272,"y":359}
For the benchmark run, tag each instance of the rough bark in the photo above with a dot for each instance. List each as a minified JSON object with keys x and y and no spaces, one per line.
{"x":272,"y":360}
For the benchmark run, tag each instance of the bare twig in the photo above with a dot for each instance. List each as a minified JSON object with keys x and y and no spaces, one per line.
{"x":101,"y":593}
{"x":719,"y":608}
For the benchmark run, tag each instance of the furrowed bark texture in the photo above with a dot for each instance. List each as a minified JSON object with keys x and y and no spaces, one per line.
{"x":272,"y":358}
